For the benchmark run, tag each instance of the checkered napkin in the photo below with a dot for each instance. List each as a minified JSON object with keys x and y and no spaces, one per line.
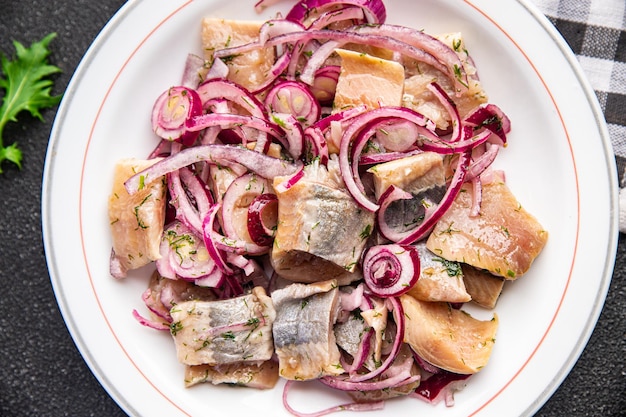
{"x":596,"y":32}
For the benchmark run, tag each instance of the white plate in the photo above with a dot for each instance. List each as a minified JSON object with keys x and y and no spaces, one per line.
{"x":559,"y":164}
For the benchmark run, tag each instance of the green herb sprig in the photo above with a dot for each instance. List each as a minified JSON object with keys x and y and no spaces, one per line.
{"x":26,"y":88}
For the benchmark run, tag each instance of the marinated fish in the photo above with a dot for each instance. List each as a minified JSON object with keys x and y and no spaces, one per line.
{"x":136,"y":221}
{"x":483,"y":287}
{"x":224,"y":331}
{"x":250,"y":69}
{"x":440,"y":279}
{"x":366,"y":80}
{"x":263,"y":375}
{"x":422,"y":175}
{"x":303,"y":330}
{"x":448,"y":338}
{"x":349,"y":333}
{"x":321,"y":230}
{"x":164,"y":293}
{"x":415,"y":174}
{"x":503,"y":239}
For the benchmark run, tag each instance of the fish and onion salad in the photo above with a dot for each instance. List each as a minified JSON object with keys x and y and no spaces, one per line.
{"x":320,"y":204}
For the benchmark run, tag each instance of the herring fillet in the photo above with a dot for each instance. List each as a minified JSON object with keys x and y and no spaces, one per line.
{"x":503,"y":239}
{"x":321,"y":230}
{"x":136,"y":221}
{"x":304,"y":340}
{"x":224,"y":331}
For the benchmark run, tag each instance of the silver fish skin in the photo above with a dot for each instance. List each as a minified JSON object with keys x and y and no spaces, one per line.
{"x":303,"y":330}
{"x":225,"y":331}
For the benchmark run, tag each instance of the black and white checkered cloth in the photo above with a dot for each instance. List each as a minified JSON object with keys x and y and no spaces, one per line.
{"x":596,"y":32}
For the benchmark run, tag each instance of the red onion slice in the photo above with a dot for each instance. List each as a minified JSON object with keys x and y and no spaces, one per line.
{"x":450,"y":107}
{"x":354,"y":406}
{"x":264,"y":165}
{"x":153,"y":324}
{"x":263,"y":218}
{"x":440,"y":386}
{"x":428,"y":43}
{"x":208,"y":227}
{"x":374,"y":10}
{"x":171,"y":112}
{"x":194,"y":72}
{"x":184,"y":254}
{"x":293,"y":140}
{"x":325,"y":84}
{"x":294,"y":98}
{"x":391,"y":270}
{"x":492,"y":118}
{"x":190,"y":197}
{"x":355,"y":137}
{"x":351,"y":14}
{"x":238,"y":196}
{"x":361,"y":382}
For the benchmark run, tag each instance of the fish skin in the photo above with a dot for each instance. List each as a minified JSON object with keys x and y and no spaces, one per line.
{"x":484,"y":288}
{"x":303,"y":330}
{"x":320,"y":228}
{"x":201,"y":333}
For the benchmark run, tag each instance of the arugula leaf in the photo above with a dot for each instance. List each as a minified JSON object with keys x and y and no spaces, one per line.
{"x":26,"y":89}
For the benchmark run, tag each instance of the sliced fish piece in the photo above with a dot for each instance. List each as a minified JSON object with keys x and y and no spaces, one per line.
{"x":136,"y":221}
{"x":250,"y":69}
{"x":448,"y":338}
{"x":415,"y":174}
{"x":164,"y":293}
{"x":367,"y":80}
{"x":262,"y":375}
{"x":440,"y":279}
{"x":321,"y":230}
{"x":504,"y":238}
{"x":349,"y":333}
{"x":483,"y":287}
{"x":303,"y":330}
{"x":224,"y":331}
{"x":422,"y":175}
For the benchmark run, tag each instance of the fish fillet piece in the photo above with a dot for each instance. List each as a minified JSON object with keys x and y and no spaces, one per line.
{"x":224,"y":331}
{"x":440,"y":279}
{"x":504,"y":239}
{"x":321,"y":230}
{"x":448,"y":338}
{"x":263,"y":375}
{"x":250,"y":69}
{"x":483,"y":287}
{"x":415,"y":174}
{"x":367,"y":80}
{"x":417,"y":96}
{"x":303,"y":330}
{"x":136,"y":221}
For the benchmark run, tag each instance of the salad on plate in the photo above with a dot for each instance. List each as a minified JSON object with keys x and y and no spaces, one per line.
{"x":321,"y":204}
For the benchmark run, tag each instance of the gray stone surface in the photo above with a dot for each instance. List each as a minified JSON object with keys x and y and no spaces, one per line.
{"x":42,"y":372}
